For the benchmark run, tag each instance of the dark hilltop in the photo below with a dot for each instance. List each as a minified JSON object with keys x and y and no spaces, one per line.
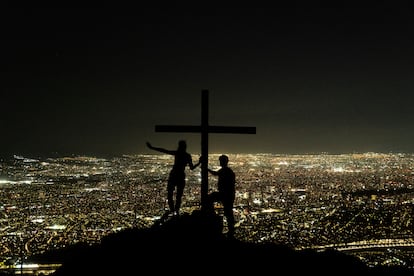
{"x":194,"y":243}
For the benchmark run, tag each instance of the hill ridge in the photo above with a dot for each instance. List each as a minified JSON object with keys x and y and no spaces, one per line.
{"x":194,"y":242}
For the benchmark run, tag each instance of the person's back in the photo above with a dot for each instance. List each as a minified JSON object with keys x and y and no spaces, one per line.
{"x":176,"y":179}
{"x":181,"y":160}
{"x":226,"y":186}
{"x":226,"y":183}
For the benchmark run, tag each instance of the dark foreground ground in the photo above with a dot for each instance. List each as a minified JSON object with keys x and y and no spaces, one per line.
{"x":193,"y":244}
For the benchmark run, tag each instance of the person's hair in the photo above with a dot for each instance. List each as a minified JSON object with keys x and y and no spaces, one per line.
{"x":182,"y":144}
{"x":224,"y":159}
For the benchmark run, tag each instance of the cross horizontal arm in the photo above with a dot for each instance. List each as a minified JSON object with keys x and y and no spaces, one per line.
{"x":210,"y":129}
{"x":177,"y":128}
{"x":232,"y":129}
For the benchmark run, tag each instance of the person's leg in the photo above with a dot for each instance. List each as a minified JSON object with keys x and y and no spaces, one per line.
{"x":211,"y":199}
{"x":228,"y":213}
{"x":179,"y":195}
{"x":170,"y":192}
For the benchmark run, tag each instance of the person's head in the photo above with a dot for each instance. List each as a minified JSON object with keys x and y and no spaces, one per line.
{"x":182,"y":145}
{"x":224,"y":160}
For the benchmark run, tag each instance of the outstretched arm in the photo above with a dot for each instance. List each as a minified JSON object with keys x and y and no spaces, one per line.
{"x":160,"y":149}
{"x":193,"y":166}
{"x":212,"y":172}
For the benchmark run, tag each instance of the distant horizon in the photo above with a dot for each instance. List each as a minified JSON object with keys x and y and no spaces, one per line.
{"x":310,"y":79}
{"x":74,"y":155}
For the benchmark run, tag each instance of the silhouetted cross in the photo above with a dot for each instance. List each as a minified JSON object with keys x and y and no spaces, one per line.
{"x":205,"y":129}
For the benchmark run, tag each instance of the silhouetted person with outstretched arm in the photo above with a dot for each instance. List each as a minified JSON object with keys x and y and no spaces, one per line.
{"x":176,"y":179}
{"x":226,"y":191}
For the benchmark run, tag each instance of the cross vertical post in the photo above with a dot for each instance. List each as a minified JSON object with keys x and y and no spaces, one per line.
{"x":204,"y":146}
{"x":204,"y":129}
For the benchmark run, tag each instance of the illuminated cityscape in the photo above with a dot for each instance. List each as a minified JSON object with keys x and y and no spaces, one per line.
{"x":360,"y":204}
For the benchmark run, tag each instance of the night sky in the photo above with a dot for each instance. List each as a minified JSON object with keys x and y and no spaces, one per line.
{"x":311,"y":79}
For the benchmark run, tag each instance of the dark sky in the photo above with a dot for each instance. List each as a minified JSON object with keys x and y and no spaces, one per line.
{"x":309,"y":78}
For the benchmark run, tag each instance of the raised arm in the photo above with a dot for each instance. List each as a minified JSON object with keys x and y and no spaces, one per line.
{"x":212,"y":172}
{"x":160,"y":149}
{"x":193,"y":166}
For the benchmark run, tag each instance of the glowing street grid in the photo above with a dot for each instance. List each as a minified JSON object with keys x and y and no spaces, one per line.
{"x":360,"y":204}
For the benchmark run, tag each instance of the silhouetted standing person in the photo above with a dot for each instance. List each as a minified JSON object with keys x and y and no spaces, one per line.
{"x":176,"y":179}
{"x":226,"y":193}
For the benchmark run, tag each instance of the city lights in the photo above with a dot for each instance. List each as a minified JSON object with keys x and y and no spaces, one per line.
{"x":350,"y":202}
